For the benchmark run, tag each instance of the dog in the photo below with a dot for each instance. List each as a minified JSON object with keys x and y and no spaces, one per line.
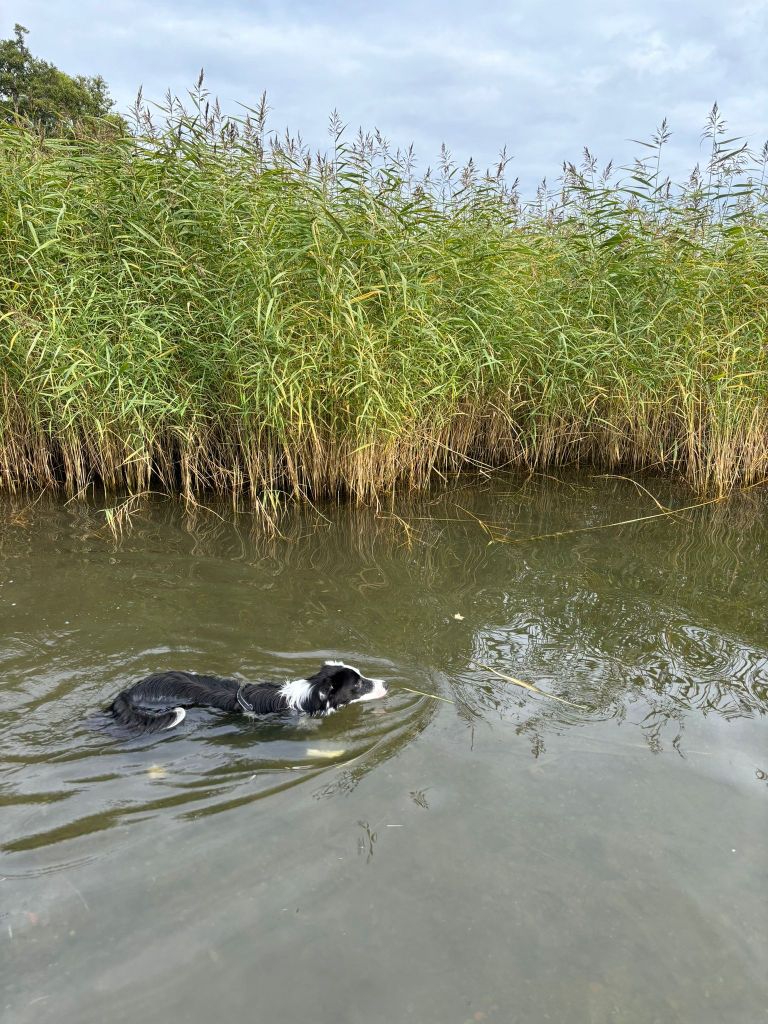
{"x":160,"y":701}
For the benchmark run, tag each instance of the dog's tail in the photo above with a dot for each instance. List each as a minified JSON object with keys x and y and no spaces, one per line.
{"x":142,"y":719}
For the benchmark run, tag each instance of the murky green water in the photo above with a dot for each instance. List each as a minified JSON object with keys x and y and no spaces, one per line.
{"x":504,"y":857}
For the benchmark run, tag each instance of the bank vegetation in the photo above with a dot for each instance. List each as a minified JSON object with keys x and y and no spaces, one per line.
{"x":197,"y":305}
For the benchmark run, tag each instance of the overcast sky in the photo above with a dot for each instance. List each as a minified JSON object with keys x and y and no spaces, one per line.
{"x":545,"y":79}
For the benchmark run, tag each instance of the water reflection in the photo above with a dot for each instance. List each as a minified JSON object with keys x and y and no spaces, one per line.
{"x":645,"y":626}
{"x":649,"y":627}
{"x":366,"y":841}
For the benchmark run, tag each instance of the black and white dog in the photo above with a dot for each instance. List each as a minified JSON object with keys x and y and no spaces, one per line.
{"x":160,"y":701}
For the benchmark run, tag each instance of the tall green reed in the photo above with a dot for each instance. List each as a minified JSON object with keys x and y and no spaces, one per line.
{"x":202,"y":304}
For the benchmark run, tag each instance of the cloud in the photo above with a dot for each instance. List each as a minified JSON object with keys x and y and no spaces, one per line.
{"x":545,"y":80}
{"x":622,"y":26}
{"x":658,"y":57}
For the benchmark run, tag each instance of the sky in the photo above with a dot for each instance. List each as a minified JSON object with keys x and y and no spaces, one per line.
{"x":543,"y":79}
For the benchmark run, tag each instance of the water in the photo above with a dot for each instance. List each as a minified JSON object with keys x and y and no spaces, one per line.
{"x":504,"y":857}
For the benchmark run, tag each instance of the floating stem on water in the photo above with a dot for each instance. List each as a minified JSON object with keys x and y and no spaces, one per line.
{"x":423,"y":693}
{"x":530,"y":686}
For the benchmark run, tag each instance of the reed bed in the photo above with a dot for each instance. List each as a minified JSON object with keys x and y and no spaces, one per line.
{"x":201,"y":305}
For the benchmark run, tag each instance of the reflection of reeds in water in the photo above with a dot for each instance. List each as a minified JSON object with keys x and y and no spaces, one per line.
{"x":205,"y":306}
{"x":663,"y":621}
{"x":655,"y":622}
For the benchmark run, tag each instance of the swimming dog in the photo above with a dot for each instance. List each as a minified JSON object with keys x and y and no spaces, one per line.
{"x":160,"y":701}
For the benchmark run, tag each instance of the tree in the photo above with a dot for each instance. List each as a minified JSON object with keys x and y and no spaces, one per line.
{"x":35,"y":90}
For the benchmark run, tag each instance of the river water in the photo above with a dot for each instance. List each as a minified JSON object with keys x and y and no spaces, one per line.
{"x":496,"y":855}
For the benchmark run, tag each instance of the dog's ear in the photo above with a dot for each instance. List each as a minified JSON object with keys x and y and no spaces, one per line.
{"x":336,"y":678}
{"x":328,"y":676}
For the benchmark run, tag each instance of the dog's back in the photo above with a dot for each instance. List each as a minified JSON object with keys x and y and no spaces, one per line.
{"x":160,"y":701}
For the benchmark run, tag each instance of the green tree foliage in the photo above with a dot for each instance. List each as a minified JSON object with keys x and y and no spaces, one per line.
{"x":34,"y":90}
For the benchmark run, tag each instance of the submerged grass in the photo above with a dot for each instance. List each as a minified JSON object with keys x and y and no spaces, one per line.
{"x":202,"y":306}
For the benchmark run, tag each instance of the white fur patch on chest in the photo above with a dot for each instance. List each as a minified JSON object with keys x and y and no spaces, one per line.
{"x":295,"y":693}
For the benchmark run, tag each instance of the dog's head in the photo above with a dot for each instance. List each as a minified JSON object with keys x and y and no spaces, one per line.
{"x":337,"y":684}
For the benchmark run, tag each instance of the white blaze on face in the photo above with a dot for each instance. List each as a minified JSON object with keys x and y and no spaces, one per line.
{"x":379,"y":690}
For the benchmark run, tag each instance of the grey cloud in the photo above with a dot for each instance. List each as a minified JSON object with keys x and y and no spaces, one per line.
{"x":545,"y":79}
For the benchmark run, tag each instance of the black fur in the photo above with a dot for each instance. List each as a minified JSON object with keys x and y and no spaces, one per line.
{"x":158,"y":701}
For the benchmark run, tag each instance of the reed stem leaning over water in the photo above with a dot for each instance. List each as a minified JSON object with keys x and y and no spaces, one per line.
{"x":190,"y":308}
